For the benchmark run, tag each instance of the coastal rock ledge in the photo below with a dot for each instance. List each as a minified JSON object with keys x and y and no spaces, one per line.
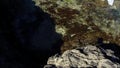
{"x":84,"y":57}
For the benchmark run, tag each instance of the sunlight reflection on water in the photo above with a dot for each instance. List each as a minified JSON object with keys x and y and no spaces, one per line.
{"x":110,"y":2}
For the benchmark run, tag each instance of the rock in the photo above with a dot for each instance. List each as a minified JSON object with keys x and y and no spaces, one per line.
{"x":50,"y":66}
{"x":117,"y":4}
{"x":84,"y":21}
{"x":87,"y":56}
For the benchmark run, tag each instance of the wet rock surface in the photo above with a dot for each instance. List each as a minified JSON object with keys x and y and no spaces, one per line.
{"x":89,"y":56}
{"x":28,"y":34}
{"x":84,"y":21}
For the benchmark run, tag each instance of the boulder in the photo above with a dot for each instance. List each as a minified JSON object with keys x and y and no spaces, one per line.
{"x":86,"y":57}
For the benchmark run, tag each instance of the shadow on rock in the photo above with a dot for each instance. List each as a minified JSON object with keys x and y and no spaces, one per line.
{"x":111,"y":46}
{"x":27,"y":35}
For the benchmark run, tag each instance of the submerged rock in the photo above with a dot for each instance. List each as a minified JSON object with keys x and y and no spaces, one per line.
{"x":87,"y":56}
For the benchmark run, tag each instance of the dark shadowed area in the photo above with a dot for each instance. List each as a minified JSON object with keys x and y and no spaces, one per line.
{"x":27,"y":35}
{"x":112,"y":46}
